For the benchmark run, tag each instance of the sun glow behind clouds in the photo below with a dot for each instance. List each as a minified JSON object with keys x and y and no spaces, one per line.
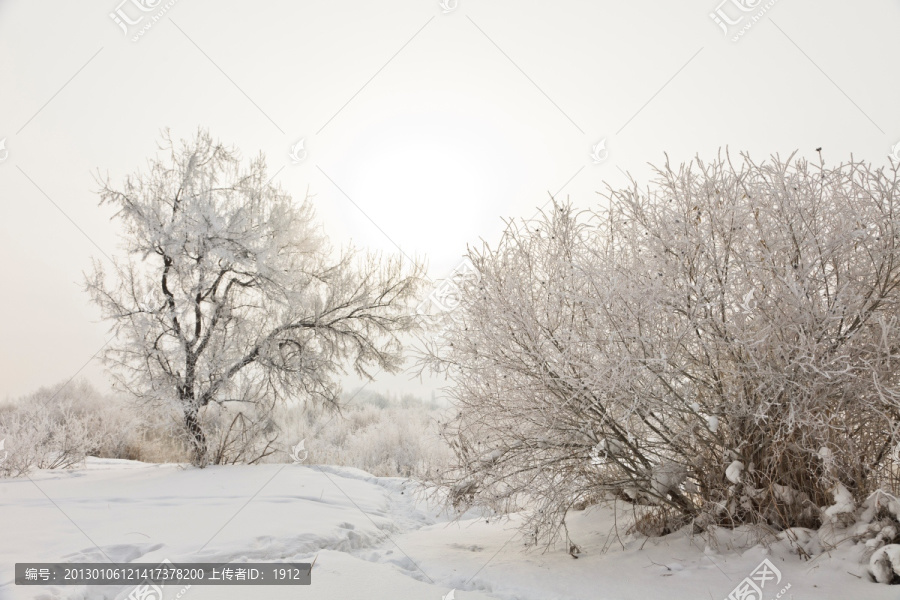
{"x":432,"y":181}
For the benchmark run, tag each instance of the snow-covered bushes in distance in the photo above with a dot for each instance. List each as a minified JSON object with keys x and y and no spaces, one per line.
{"x":383,"y":436}
{"x":692,"y":345}
{"x":57,"y":426}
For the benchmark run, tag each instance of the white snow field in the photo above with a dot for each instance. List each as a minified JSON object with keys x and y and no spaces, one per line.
{"x":373,"y":539}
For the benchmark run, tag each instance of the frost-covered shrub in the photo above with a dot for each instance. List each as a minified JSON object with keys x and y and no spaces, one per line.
{"x":720,"y":343}
{"x":239,"y":433}
{"x":57,"y":427}
{"x":383,"y":437}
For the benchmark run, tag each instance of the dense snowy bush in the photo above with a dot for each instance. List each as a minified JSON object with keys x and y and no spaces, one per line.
{"x":57,"y":427}
{"x":719,"y":345}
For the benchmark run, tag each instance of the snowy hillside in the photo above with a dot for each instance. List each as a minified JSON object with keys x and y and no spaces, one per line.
{"x":372,"y":537}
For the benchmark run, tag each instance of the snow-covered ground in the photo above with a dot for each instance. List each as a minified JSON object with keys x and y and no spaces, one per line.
{"x":373,"y":538}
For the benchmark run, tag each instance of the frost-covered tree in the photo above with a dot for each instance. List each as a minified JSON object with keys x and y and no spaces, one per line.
{"x":720,"y":345}
{"x":229,"y":290}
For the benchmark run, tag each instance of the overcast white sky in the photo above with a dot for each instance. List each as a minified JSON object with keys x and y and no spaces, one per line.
{"x":423,"y":127}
